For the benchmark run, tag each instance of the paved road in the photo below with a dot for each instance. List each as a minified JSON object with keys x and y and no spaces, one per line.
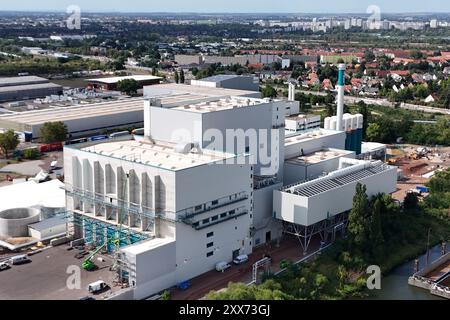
{"x":384,"y":103}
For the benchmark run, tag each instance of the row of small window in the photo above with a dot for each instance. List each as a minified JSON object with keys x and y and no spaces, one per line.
{"x":213,"y":203}
{"x":215,"y":218}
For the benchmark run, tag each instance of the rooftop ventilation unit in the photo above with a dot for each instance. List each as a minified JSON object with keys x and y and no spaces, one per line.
{"x":155,"y":102}
{"x":185,"y":148}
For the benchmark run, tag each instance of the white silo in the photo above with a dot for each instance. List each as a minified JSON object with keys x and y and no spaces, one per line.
{"x":354,"y":122}
{"x":327,"y":123}
{"x":360,"y":118}
{"x":333,"y":123}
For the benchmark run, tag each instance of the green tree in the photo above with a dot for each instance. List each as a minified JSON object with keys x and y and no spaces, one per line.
{"x":364,"y":110}
{"x":182,"y":79}
{"x":411,"y":202}
{"x":369,"y":56}
{"x":129,"y":86}
{"x":416,"y":54}
{"x":177,"y":77}
{"x":374,"y":132}
{"x":8,"y":142}
{"x":53,"y":132}
{"x":376,"y":233}
{"x":269,"y":92}
{"x":357,"y":218}
{"x":31,"y":154}
{"x":166,"y":295}
{"x":269,"y":290}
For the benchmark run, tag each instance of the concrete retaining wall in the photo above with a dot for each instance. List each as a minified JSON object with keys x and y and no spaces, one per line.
{"x":59,"y":241}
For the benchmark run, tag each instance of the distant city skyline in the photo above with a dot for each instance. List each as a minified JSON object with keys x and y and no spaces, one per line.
{"x":233,"y":6}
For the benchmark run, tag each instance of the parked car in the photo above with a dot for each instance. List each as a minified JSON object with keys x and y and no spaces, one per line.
{"x":4,"y":266}
{"x":241,"y":259}
{"x":222,"y":266}
{"x":87,"y":298}
{"x":19,"y":260}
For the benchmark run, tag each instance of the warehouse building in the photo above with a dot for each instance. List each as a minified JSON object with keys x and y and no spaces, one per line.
{"x":83,"y":120}
{"x":80,"y":120}
{"x":26,"y":88}
{"x":172,"y":89}
{"x":112,"y":82}
{"x":248,"y":83}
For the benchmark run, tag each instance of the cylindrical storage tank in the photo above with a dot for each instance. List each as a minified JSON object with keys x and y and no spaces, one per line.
{"x":360,"y":121}
{"x":327,"y":123}
{"x":333,"y":124}
{"x":354,"y":122}
{"x":347,"y":124}
{"x":14,"y":222}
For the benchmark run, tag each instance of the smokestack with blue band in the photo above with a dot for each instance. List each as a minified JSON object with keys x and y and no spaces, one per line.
{"x":340,"y":97}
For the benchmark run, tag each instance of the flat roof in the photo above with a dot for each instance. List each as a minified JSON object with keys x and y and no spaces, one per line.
{"x":147,"y":245}
{"x":221,"y":104}
{"x":337,"y":179}
{"x":111,"y":80}
{"x":302,"y":116}
{"x":29,"y":194}
{"x":158,"y":154}
{"x":47,"y":223}
{"x":11,"y":81}
{"x":174,"y":88}
{"x":75,"y":112}
{"x":372,"y":147}
{"x":292,"y":139}
{"x":27,"y":87}
{"x":222,"y":77}
{"x":319,"y":156}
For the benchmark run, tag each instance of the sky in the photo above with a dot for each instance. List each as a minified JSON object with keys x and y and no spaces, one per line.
{"x":231,"y":6}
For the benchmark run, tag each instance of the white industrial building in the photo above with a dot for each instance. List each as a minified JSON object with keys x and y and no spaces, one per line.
{"x":88,"y":119}
{"x":249,"y":83}
{"x":182,"y":198}
{"x":80,"y":120}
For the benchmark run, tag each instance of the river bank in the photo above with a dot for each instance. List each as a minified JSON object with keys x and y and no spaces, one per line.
{"x":394,"y":286}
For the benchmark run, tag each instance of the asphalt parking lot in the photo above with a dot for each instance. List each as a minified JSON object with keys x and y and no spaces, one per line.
{"x":45,"y":278}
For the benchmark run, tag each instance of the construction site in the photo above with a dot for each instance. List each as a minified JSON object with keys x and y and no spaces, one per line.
{"x":416,"y":166}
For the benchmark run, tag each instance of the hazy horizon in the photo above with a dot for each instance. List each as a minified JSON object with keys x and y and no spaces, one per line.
{"x":232,"y":6}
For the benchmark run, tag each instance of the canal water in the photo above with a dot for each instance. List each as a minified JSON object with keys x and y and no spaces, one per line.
{"x":395,"y":285}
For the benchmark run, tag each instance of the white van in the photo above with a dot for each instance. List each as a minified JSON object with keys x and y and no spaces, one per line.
{"x":222,"y":266}
{"x":241,"y":259}
{"x":97,"y":286}
{"x":4,"y":266}
{"x":19,"y":260}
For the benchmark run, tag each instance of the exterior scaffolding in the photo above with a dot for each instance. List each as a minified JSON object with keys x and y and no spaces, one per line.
{"x":146,"y":216}
{"x":96,"y":232}
{"x":327,"y":230}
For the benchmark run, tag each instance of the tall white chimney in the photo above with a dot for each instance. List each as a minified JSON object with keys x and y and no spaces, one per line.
{"x":340,"y":97}
{"x":291,"y":92}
